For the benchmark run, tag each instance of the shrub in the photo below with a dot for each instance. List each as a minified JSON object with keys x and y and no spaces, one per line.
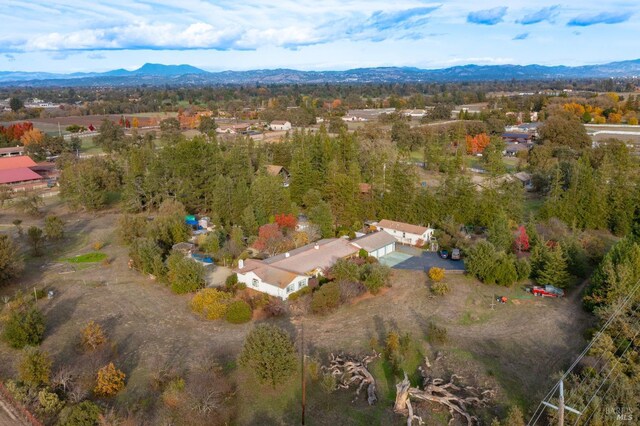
{"x":184,"y":275}
{"x":11,"y":264}
{"x":440,"y":289}
{"x":329,"y":383}
{"x":49,"y":402}
{"x":211,"y":303}
{"x":147,"y":256}
{"x":313,"y":368}
{"x":345,"y":270}
{"x":362,"y":253}
{"x":275,"y":308}
{"x":84,"y":414}
{"x":298,"y":294}
{"x":35,"y":367}
{"x":326,"y":298}
{"x":436,"y":334}
{"x":258,"y":301}
{"x":375,"y":277}
{"x":24,"y":328}
{"x":98,"y":245}
{"x":110,"y":381}
{"x":53,"y":228}
{"x":238,"y":312}
{"x":350,"y":290}
{"x":93,"y":336}
{"x":172,"y":393}
{"x":231,"y":281}
{"x":269,"y":353}
{"x":436,"y":274}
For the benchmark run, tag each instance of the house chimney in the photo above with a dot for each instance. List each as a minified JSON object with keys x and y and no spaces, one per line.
{"x":240,"y":263}
{"x":287,"y":254}
{"x":316,"y":246}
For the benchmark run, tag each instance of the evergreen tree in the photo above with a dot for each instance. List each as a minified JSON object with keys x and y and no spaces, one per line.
{"x":554,"y":270}
{"x":269,"y":353}
{"x":499,"y":234}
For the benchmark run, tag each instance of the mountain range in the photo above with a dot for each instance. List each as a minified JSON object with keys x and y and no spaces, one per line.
{"x":187,"y":75}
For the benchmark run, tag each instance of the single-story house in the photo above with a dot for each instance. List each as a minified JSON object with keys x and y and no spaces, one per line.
{"x":377,"y":244}
{"x":275,"y":170}
{"x":12,"y":151}
{"x":18,"y":162}
{"x":516,"y":137}
{"x":512,"y":149}
{"x":233,"y":129}
{"x":280,"y":125}
{"x":285,"y":273}
{"x":269,"y":279}
{"x":406,"y":233}
{"x":18,"y":176}
{"x":525,"y":179}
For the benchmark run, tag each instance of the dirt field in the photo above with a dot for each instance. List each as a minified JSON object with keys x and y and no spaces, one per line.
{"x":520,"y":344}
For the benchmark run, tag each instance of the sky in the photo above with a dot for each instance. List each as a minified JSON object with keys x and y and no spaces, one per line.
{"x":64,"y":36}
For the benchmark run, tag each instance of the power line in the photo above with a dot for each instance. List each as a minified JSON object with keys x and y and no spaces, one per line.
{"x":600,"y":358}
{"x":538,"y":412}
{"x":607,"y":376}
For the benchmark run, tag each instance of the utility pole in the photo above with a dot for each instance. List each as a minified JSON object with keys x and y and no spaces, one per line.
{"x":561,"y":407}
{"x":304,"y":383}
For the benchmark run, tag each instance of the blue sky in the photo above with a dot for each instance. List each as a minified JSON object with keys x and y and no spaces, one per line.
{"x":99,"y":35}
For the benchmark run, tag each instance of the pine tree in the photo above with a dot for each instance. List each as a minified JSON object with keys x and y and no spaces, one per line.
{"x":554,"y":269}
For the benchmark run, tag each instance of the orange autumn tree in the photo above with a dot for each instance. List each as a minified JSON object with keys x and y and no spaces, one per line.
{"x":110,"y":381}
{"x":477,"y":144}
{"x":32,"y":137}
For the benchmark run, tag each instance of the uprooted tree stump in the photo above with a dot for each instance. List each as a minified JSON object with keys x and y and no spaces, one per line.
{"x":350,"y":370}
{"x":456,"y":397}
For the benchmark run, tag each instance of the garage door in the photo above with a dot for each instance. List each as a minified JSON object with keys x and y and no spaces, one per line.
{"x":388,"y":248}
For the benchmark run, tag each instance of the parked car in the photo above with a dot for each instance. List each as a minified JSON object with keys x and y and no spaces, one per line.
{"x":444,"y":254}
{"x":546,"y":291}
{"x":455,"y":254}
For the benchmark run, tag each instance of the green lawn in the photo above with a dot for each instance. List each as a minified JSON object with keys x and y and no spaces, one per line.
{"x":89,"y":147}
{"x":92,"y":257}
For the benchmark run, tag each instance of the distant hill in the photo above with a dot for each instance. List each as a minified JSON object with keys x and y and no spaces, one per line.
{"x":187,"y":75}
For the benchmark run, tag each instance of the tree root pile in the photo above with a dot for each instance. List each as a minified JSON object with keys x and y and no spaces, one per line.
{"x":455,"y":396}
{"x":349,"y":371}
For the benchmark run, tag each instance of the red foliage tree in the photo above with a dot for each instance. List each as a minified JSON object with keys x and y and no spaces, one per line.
{"x":522,"y":240}
{"x":286,"y":221}
{"x":477,"y":144}
{"x":270,"y":238}
{"x":15,"y":131}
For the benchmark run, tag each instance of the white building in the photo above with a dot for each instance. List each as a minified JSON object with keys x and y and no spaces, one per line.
{"x":406,"y":233}
{"x":269,"y":279}
{"x":377,"y":244}
{"x":285,"y":273}
{"x":280,"y":125}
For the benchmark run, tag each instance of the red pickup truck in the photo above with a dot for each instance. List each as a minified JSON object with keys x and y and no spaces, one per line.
{"x":546,"y":291}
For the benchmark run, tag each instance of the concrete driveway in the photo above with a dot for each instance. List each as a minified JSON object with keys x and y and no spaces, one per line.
{"x":414,"y":259}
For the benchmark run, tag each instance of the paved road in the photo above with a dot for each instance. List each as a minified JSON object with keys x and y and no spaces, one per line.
{"x":410,"y":258}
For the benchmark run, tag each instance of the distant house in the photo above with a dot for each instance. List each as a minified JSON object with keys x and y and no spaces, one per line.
{"x":274,"y":170}
{"x":364,"y":188}
{"x":12,"y":151}
{"x":233,"y":129}
{"x":280,"y":125}
{"x":20,"y":173}
{"x":354,"y":118}
{"x":286,"y":273}
{"x":377,"y":244}
{"x":517,"y":137}
{"x":406,"y":233}
{"x":512,"y":149}
{"x":525,"y":179}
